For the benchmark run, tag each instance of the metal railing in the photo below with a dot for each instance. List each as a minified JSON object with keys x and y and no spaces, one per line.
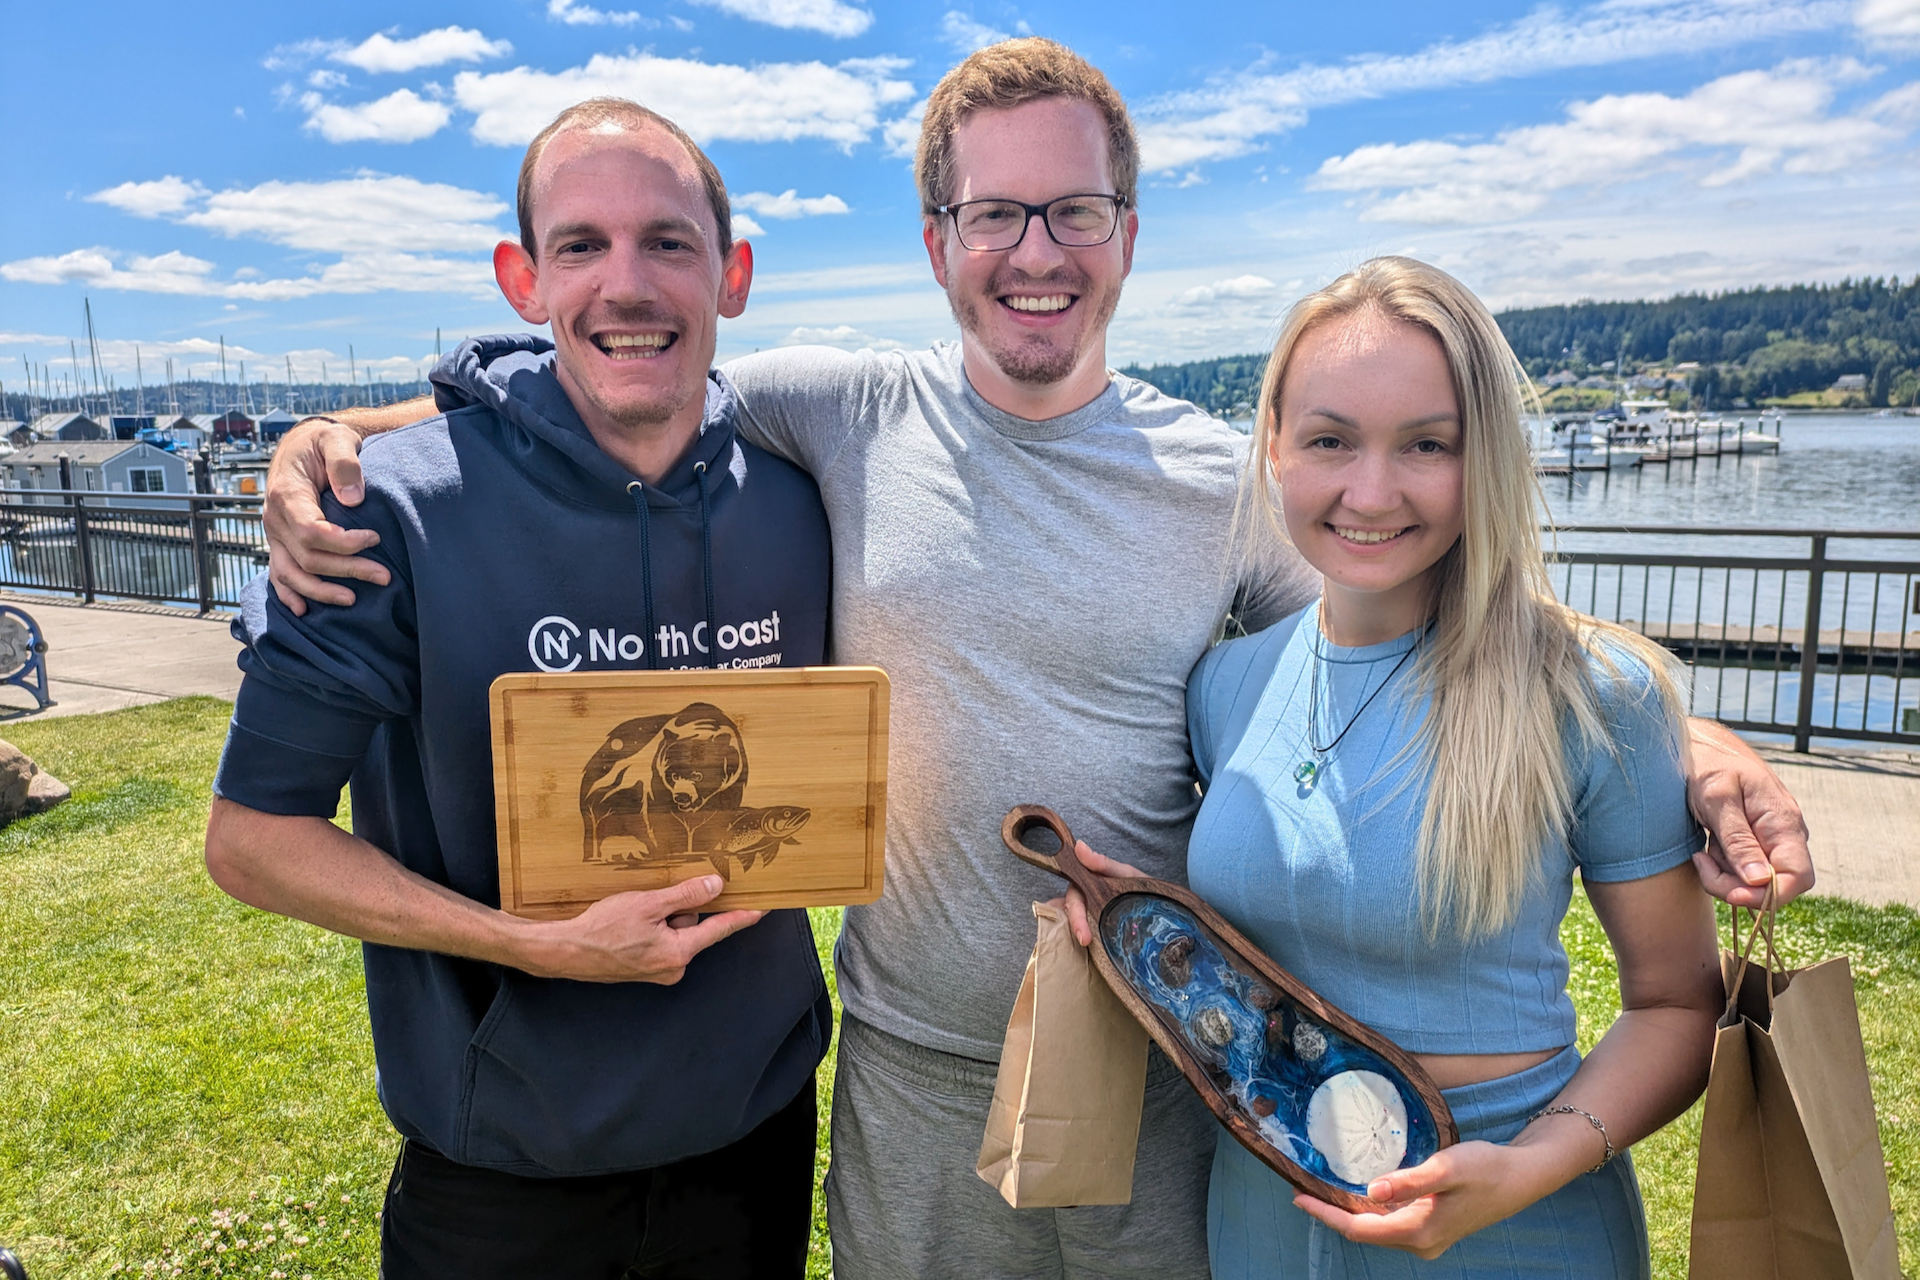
{"x":1816,"y":645}
{"x":195,"y":549}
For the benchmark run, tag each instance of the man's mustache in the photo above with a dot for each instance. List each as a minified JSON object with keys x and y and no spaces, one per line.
{"x":641,"y":317}
{"x":1062,"y":281}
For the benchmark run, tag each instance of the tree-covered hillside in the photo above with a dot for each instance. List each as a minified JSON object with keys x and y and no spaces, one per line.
{"x":1749,"y":345}
{"x":1752,"y":344}
{"x":1225,"y":388}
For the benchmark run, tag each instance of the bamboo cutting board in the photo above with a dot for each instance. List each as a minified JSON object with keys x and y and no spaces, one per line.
{"x":609,"y":781}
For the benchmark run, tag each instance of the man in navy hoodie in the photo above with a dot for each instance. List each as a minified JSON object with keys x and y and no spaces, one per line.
{"x":629,"y":1092}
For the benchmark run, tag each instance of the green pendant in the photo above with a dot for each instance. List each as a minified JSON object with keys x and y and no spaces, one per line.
{"x":1307,"y":772}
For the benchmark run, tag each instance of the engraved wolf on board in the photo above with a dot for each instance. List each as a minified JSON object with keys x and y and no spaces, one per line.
{"x":673,"y":786}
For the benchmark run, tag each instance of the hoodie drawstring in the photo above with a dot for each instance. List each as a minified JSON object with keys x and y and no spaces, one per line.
{"x":706,"y":558}
{"x":638,"y":493}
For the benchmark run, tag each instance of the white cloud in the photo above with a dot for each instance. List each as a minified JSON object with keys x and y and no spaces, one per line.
{"x":401,"y":116}
{"x":167,"y":273}
{"x":1238,"y":289}
{"x":384,"y":232}
{"x":789,"y":204}
{"x":380,"y":52}
{"x":902,"y":136}
{"x":1728,"y":131}
{"x":365,"y":213}
{"x":575,"y":14}
{"x":325,"y":78}
{"x":179,"y":273}
{"x":1893,"y":22}
{"x":1231,"y":116}
{"x":844,"y":336}
{"x":151,"y":199}
{"x":829,"y":17}
{"x":772,"y":102}
{"x":745,"y":226}
{"x":965,"y":34}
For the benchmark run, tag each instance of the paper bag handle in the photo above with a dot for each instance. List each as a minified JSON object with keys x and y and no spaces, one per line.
{"x":1761,"y":931}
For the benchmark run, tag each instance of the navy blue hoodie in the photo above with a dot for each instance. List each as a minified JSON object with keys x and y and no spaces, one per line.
{"x":516,"y":544}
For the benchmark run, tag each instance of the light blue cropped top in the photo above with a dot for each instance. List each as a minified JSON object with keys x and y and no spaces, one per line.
{"x":1322,"y":876}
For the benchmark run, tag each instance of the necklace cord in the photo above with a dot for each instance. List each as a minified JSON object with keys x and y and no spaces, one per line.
{"x":1313,"y":698}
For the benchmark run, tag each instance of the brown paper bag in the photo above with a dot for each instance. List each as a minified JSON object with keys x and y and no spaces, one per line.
{"x":1066,"y":1108}
{"x":1791,"y":1183}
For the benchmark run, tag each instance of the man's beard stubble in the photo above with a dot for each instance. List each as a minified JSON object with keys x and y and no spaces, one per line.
{"x":636,"y":414}
{"x":1036,"y":359}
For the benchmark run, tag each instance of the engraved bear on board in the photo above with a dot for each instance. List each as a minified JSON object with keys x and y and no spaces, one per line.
{"x":668,"y":790}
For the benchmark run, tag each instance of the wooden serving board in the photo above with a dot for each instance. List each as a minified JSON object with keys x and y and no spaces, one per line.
{"x":609,"y":781}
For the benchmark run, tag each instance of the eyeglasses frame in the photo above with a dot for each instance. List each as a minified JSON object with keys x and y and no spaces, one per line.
{"x":1035,"y":211}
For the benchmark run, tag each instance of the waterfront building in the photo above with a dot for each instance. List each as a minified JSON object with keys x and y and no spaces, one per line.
{"x":68,"y":426}
{"x":110,"y":467}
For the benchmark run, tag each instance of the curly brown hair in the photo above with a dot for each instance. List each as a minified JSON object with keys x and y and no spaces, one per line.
{"x":1009,"y":74}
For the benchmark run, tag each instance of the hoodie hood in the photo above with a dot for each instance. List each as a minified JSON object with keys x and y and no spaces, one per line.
{"x":513,"y":375}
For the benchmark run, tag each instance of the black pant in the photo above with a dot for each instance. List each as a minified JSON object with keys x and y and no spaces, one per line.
{"x":742,"y":1211}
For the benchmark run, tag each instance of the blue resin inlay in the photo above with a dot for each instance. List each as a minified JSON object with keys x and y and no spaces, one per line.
{"x":1270,"y":1058}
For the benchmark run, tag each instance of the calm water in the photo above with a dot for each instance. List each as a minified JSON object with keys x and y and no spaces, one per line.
{"x":1832,"y":472}
{"x":1838,"y":472}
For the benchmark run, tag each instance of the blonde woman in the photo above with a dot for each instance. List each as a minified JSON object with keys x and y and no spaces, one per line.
{"x":1401,"y":782}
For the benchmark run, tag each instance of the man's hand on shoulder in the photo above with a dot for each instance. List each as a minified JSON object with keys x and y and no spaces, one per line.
{"x":303,"y":546}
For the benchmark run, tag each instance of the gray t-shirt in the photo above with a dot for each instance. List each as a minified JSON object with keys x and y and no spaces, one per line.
{"x":1038,"y":593}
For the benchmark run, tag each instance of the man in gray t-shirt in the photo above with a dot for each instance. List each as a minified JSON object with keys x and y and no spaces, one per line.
{"x":1038,"y":592}
{"x":1037,"y":550}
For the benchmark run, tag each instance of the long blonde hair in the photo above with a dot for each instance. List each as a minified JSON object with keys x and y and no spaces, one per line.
{"x":1506,"y":665}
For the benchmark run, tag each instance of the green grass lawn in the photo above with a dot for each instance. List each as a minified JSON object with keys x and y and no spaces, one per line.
{"x":187,"y":1083}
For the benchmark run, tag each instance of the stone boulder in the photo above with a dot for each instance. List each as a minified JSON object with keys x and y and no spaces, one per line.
{"x":24,"y":787}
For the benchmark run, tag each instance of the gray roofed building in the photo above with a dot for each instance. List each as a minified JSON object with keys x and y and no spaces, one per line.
{"x":68,"y":426}
{"x":106,"y":467}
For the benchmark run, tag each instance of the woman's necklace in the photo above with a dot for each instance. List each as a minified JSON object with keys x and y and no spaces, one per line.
{"x":1308,"y":772}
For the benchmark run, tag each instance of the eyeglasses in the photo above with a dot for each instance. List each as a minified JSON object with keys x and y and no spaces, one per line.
{"x":1074,"y":222}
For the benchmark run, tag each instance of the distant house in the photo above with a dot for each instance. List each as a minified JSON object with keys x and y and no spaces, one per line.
{"x":1564,"y":378}
{"x":1596,"y":381}
{"x":106,"y":467}
{"x":68,"y":426}
{"x":19,"y":435}
{"x":7,"y":428}
{"x":232,"y":425}
{"x":275,"y":423}
{"x":1851,"y":382}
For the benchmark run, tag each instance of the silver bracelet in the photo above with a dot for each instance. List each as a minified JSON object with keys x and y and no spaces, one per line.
{"x":1590,"y":1118}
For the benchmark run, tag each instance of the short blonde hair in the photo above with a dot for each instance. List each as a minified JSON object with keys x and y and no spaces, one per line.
{"x":597,"y":111}
{"x":1010,"y":74}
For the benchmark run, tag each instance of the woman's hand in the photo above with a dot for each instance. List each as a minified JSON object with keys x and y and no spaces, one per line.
{"x":1425,"y":1210}
{"x":1100,"y":865}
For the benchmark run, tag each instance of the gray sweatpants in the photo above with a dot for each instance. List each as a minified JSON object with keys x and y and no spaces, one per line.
{"x":904,"y":1202}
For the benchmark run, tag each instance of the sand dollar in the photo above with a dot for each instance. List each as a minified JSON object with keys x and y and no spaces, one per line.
{"x":1358,"y":1122}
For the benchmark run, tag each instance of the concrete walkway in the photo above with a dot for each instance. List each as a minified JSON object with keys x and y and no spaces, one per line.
{"x":103,"y":657}
{"x":1863,"y":806}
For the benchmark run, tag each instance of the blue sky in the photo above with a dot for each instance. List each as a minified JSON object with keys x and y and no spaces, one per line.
{"x":297,"y":180}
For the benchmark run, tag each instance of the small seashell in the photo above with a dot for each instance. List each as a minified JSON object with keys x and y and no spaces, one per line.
{"x":1260,"y":996}
{"x":1176,"y":961}
{"x":1309,"y":1042}
{"x":1262,"y":1105}
{"x":1213,"y":1027}
{"x":1358,"y":1123}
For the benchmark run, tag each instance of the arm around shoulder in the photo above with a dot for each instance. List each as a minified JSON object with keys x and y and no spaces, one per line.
{"x":303,"y":546}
